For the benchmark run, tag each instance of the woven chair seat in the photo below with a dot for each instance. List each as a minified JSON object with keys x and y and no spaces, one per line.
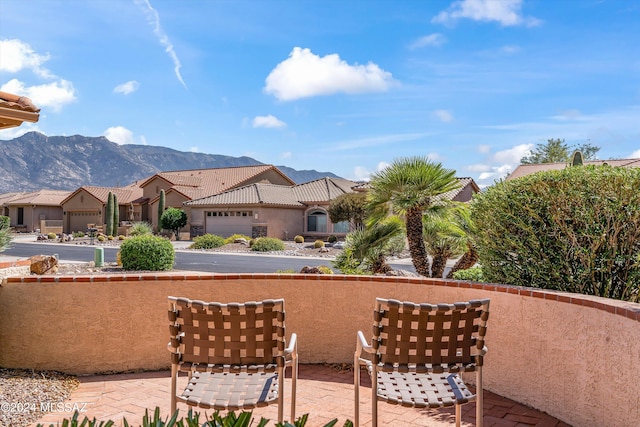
{"x":422,"y":390}
{"x":231,"y":391}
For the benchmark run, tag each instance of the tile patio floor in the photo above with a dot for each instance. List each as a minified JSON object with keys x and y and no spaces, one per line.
{"x":324,"y":392}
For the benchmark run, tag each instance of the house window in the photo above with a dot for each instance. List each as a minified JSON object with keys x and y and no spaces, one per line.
{"x":341,"y":227}
{"x":317,"y":221}
{"x":20,"y":216}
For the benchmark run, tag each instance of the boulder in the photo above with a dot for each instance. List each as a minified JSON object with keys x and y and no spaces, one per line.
{"x":43,"y":264}
{"x":310,"y":270}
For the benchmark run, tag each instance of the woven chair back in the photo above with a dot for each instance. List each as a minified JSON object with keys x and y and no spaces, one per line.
{"x":426,"y":337}
{"x":246,"y":334}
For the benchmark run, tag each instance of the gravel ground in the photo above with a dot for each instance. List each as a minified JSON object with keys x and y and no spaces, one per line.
{"x":25,"y":394}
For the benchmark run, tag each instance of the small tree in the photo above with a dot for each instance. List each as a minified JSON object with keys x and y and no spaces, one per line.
{"x":5,"y":232}
{"x":109,"y":215}
{"x":556,"y":150}
{"x":116,"y":215}
{"x":173,"y":219}
{"x":161,"y":207}
{"x":349,"y":207}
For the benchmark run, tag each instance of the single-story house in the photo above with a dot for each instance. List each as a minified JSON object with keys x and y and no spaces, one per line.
{"x":285,"y":211}
{"x":185,"y":185}
{"x":14,"y":110}
{"x":87,"y":205}
{"x":37,"y":210}
{"x":271,"y":210}
{"x":528,"y":169}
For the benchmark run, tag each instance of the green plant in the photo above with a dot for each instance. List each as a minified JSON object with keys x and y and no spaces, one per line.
{"x":101,"y":238}
{"x":253,"y":241}
{"x":473,"y":274}
{"x":267,"y":244}
{"x":116,"y":215}
{"x":139,"y":228}
{"x":325,"y":270}
{"x":573,"y":230}
{"x":243,"y":419}
{"x":109,"y":215}
{"x":332,"y":239}
{"x":161,"y":207}
{"x":147,"y":252}
{"x":298,"y":239}
{"x":5,"y":232}
{"x":109,"y":238}
{"x":173,"y":219}
{"x":121,"y":237}
{"x":52,"y":236}
{"x":78,"y":234}
{"x":286,"y":271}
{"x":5,"y":222}
{"x":207,"y":241}
{"x":235,"y":237}
{"x":318,"y":244}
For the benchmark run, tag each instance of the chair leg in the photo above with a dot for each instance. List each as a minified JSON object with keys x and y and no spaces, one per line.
{"x":174,"y":380}
{"x":479,"y":398}
{"x":374,"y":397}
{"x":458,"y":415}
{"x":280,"y":394}
{"x":294,"y":382}
{"x":356,"y":388}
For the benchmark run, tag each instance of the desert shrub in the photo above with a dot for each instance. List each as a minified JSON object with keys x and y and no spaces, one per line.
{"x":332,"y":239}
{"x":286,"y":271}
{"x":573,"y":230}
{"x":325,"y":270}
{"x":147,"y":252}
{"x":253,"y":242}
{"x":267,"y":244}
{"x":5,"y":232}
{"x":298,"y":239}
{"x":140,"y":228}
{"x":119,"y":258}
{"x":207,"y":241}
{"x":52,"y":236}
{"x":78,"y":234}
{"x":473,"y":274}
{"x":121,"y":237}
{"x":235,"y":237}
{"x":318,"y":244}
{"x":109,"y":237}
{"x":5,"y":222}
{"x":101,"y":238}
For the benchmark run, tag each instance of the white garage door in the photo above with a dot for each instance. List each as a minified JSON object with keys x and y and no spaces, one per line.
{"x":78,"y":220}
{"x":225,"y":223}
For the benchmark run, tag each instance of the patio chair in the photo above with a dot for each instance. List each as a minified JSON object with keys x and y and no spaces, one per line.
{"x":419,"y":350}
{"x":234,"y":353}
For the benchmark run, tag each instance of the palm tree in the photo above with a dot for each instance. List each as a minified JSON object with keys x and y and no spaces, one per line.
{"x":443,"y":236}
{"x":408,"y":187}
{"x":373,"y":244}
{"x":470,"y":257}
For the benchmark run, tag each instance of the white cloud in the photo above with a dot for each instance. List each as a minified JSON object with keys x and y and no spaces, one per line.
{"x":506,"y":12}
{"x":305,"y":74}
{"x":15,"y":132}
{"x":444,"y":116}
{"x":479,"y":167}
{"x":635,"y":155}
{"x":483,"y":148}
{"x":360,"y":173}
{"x":154,"y":20}
{"x":17,"y":55}
{"x":286,"y":155}
{"x":120,"y":135}
{"x":194,"y":149}
{"x":268,"y":122}
{"x":52,"y":95}
{"x":127,"y":88}
{"x":435,"y":39}
{"x":513,"y":155}
{"x":496,"y":172}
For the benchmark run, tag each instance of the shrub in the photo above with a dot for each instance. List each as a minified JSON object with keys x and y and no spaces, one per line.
{"x":78,"y":234}
{"x":109,"y":237}
{"x":5,"y":222}
{"x":332,"y":239}
{"x":473,"y":274}
{"x":572,"y":230}
{"x":52,"y":236}
{"x":267,"y":244}
{"x":5,"y":232}
{"x":147,"y":252}
{"x":235,"y":237}
{"x":207,"y":241}
{"x":318,"y":244}
{"x":347,"y":263}
{"x":121,"y":237}
{"x":286,"y":271}
{"x":325,"y":270}
{"x":298,"y":239}
{"x":101,"y":238}
{"x":119,"y":258}
{"x":140,"y":228}
{"x":173,"y":219}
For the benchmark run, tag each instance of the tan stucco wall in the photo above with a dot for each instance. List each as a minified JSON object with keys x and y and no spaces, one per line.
{"x":572,"y":356}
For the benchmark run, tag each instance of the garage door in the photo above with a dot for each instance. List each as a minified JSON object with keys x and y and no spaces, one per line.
{"x":227,"y":223}
{"x":78,"y":220}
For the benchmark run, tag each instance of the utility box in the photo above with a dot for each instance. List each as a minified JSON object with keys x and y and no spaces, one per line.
{"x":98,"y":257}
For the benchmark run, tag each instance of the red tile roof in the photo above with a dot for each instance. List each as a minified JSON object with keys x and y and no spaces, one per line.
{"x":523,"y":170}
{"x":16,"y":109}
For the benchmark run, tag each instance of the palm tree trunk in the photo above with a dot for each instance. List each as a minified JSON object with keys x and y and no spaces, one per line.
{"x":416,"y":242}
{"x":380,"y":266}
{"x":466,"y":261}
{"x":439,"y":263}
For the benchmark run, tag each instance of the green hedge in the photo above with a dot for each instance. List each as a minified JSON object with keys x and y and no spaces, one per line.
{"x":147,"y":252}
{"x":267,"y":244}
{"x":575,"y":230}
{"x":207,"y":241}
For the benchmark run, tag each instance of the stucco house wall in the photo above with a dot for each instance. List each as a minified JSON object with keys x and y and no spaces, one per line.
{"x":80,"y":209}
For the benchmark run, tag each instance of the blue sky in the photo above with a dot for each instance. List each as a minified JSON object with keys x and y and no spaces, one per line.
{"x":339,"y":86}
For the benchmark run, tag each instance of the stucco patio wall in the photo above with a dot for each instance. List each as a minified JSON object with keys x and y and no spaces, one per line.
{"x":574,"y":357}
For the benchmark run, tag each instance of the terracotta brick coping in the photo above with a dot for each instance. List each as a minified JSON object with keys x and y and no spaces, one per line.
{"x":16,"y":263}
{"x":621,"y":308}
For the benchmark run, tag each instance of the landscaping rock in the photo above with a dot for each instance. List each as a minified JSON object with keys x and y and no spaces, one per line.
{"x":43,"y":264}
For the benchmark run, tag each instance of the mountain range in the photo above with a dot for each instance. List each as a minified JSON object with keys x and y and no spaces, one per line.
{"x":35,"y":161}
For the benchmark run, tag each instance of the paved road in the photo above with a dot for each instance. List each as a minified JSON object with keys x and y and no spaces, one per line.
{"x":185,"y":260}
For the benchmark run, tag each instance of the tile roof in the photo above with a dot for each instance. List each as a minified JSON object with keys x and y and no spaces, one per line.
{"x":523,"y":170}
{"x":321,"y":190}
{"x":213,"y":180}
{"x":41,"y":197}
{"x":449,"y":195}
{"x":16,"y":109}
{"x":6,"y":197}
{"x":123,"y":194}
